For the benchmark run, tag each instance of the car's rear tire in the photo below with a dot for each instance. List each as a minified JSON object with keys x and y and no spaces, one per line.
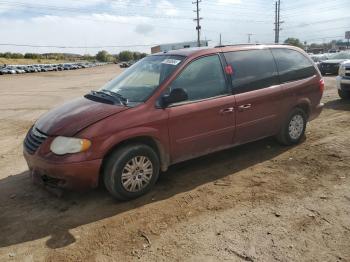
{"x":344,"y":94}
{"x":131,"y":171}
{"x":293,"y":129}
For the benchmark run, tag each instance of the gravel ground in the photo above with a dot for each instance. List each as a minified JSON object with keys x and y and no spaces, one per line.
{"x":257,"y":202}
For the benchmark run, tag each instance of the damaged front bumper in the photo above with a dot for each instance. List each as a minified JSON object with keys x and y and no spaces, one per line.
{"x":78,"y":176}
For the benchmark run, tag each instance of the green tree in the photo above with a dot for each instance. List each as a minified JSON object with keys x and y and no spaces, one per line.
{"x":137,"y":55}
{"x":88,"y":57}
{"x":294,"y":42}
{"x":103,"y":56}
{"x":125,"y":56}
{"x":143,"y":55}
{"x":32,"y":56}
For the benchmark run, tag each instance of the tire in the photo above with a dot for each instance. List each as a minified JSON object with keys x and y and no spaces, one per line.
{"x":123,"y":175}
{"x":344,"y":94}
{"x":290,"y":135}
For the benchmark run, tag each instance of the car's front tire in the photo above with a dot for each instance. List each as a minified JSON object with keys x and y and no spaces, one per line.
{"x":344,"y":94}
{"x":293,"y":129}
{"x":131,"y":171}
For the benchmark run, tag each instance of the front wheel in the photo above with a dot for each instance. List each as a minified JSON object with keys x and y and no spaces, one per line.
{"x":131,"y":171}
{"x":344,"y":94}
{"x":294,"y":128}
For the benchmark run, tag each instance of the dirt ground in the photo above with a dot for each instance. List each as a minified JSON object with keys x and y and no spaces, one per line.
{"x":257,"y":202}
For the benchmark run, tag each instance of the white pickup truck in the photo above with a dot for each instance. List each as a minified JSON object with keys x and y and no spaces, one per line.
{"x":343,"y":80}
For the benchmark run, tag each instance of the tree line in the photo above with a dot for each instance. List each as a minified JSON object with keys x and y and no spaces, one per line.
{"x":124,"y":56}
{"x":101,"y":56}
{"x":306,"y":46}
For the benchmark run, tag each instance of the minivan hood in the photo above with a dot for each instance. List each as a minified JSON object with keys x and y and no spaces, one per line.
{"x":71,"y":117}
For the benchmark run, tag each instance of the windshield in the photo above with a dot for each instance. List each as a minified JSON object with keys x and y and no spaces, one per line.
{"x":341,"y":55}
{"x":138,"y":82}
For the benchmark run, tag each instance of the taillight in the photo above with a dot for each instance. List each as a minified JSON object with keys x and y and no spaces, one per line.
{"x":321,"y":85}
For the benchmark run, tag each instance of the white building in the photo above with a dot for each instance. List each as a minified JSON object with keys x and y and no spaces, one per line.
{"x":175,"y":46}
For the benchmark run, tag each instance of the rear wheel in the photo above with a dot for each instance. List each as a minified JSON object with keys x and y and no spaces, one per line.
{"x":294,"y":128}
{"x":344,"y":94}
{"x":131,"y":171}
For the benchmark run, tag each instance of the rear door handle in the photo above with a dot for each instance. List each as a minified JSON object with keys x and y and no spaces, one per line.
{"x":244,"y":107}
{"x":227,"y":110}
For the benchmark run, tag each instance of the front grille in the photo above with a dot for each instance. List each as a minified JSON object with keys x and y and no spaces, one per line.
{"x":34,"y":139}
{"x":330,"y":66}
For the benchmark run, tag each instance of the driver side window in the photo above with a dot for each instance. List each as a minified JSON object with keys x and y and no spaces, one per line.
{"x":203,"y":78}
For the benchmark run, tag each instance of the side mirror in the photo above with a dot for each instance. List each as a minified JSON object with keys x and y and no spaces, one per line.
{"x":175,"y":96}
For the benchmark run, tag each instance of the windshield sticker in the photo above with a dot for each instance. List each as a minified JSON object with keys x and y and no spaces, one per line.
{"x":171,"y":62}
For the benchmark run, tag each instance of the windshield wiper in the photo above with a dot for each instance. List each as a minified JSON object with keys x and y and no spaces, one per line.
{"x":122,"y":99}
{"x":104,"y":98}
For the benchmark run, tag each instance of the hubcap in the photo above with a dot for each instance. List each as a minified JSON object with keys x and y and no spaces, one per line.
{"x":137,"y":174}
{"x":296,"y":127}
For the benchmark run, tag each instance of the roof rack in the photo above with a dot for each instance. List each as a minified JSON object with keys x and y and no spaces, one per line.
{"x":236,"y":45}
{"x":250,"y":44}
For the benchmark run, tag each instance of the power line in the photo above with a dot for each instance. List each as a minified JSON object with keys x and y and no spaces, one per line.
{"x":152,"y":16}
{"x":312,"y":5}
{"x":322,"y":38}
{"x":319,"y":22}
{"x":137,"y":5}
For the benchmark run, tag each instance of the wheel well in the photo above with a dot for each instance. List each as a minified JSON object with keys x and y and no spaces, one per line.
{"x":305,"y":107}
{"x":151,"y":142}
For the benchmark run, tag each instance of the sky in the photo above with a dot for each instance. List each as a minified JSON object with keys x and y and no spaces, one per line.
{"x":87,"y":26}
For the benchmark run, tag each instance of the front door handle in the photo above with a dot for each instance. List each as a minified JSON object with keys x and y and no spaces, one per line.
{"x":226,"y":110}
{"x":244,"y":107}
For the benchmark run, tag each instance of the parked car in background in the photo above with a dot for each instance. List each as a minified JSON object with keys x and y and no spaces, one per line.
{"x":60,"y":67}
{"x":343,"y":80}
{"x":37,"y":68}
{"x":331,"y":66}
{"x":30,"y":69}
{"x":67,"y":67}
{"x":7,"y":70}
{"x":19,"y":69}
{"x":124,"y":65}
{"x":11,"y":70}
{"x":332,"y":51}
{"x":171,"y":107}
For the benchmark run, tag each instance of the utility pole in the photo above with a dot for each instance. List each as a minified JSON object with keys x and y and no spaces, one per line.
{"x":249,"y":35}
{"x":220,"y":43}
{"x":198,"y":27}
{"x":276,"y":10}
{"x":278,"y":21}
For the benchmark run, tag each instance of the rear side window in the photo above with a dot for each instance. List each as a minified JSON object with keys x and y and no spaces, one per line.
{"x":292,"y":65}
{"x":252,"y":70}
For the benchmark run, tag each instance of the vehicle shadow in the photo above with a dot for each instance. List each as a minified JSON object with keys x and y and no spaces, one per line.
{"x":340,"y":104}
{"x":29,"y":212}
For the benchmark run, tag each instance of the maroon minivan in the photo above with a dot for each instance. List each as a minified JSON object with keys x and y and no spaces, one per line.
{"x":171,"y":107}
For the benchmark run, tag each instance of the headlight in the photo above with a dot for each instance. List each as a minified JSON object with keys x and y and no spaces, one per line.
{"x":342,"y":70}
{"x":69,"y":145}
